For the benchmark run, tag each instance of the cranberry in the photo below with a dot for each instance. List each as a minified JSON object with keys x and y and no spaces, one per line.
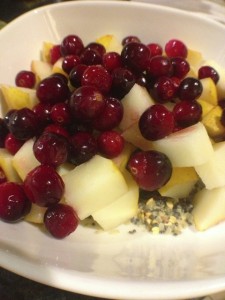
{"x":91,"y":57}
{"x":23,"y":124}
{"x":156,"y":122}
{"x":189,"y":89}
{"x":130,"y":39}
{"x":96,"y":47}
{"x":25,"y":79}
{"x":98,"y":77}
{"x":51,"y":149}
{"x":86,"y":103}
{"x":122,"y":82}
{"x":180,"y":67}
{"x":155,"y":49}
{"x":176,"y":48}
{"x":60,"y":220}
{"x":55,"y":54}
{"x":111,"y":115}
{"x":222,"y":119}
{"x":150,"y":169}
{"x":60,"y":113}
{"x":3,"y":177}
{"x":60,"y":76}
{"x":111,"y":61}
{"x":12,"y":144}
{"x":3,"y":129}
{"x":52,"y":90}
{"x":57,"y":129}
{"x":14,"y":203}
{"x":208,"y":71}
{"x":135,"y":56}
{"x":69,"y":62}
{"x":187,"y":113}
{"x":42,"y":112}
{"x":83,"y":147}
{"x":76,"y":75}
{"x":163,"y":90}
{"x":159,"y":66}
{"x":110,"y":143}
{"x":71,"y":44}
{"x":43,"y":186}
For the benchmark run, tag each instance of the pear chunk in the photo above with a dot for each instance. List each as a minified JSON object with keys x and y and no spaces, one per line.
{"x":110,"y":42}
{"x":93,"y":185}
{"x":6,"y":164}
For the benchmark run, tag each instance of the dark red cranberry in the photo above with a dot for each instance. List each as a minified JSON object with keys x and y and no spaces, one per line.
{"x":83,"y":147}
{"x":159,"y":66}
{"x":110,"y":143}
{"x":163,"y":90}
{"x":51,"y":149}
{"x":12,"y":144}
{"x":4,"y":129}
{"x":71,"y":44}
{"x":52,"y":90}
{"x":156,"y":122}
{"x":130,"y":39}
{"x":42,"y":112}
{"x":180,"y":67}
{"x":3,"y":177}
{"x":150,"y":169}
{"x":176,"y":48}
{"x":90,"y":57}
{"x":96,"y":47}
{"x":23,"y":124}
{"x":25,"y":79}
{"x":208,"y":71}
{"x":222,"y":119}
{"x":155,"y":49}
{"x":111,"y":61}
{"x":122,"y":82}
{"x":61,"y":77}
{"x":57,"y":129}
{"x":14,"y":203}
{"x":60,"y":113}
{"x":60,"y":220}
{"x":69,"y":62}
{"x":86,"y":103}
{"x":187,"y":113}
{"x":190,"y":89}
{"x":55,"y":54}
{"x":98,"y":77}
{"x":76,"y":75}
{"x":43,"y":186}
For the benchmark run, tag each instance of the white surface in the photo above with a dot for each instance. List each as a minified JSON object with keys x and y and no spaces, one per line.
{"x":113,"y":265}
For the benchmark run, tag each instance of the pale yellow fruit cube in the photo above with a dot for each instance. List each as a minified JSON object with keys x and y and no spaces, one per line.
{"x":110,"y":42}
{"x":194,"y":58}
{"x":36,"y":214}
{"x":45,"y":52}
{"x":7,"y":166}
{"x":212,"y":122}
{"x":206,"y":107}
{"x":209,"y":93}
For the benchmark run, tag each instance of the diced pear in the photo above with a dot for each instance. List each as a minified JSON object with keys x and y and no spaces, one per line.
{"x":188,"y":147}
{"x":24,"y":160}
{"x":122,"y":159}
{"x":93,"y":185}
{"x":110,"y":42}
{"x":133,"y":135}
{"x":206,"y":107}
{"x":209,"y":208}
{"x":209,"y":93}
{"x":57,"y":67}
{"x":212,"y":122}
{"x":194,"y":58}
{"x":65,"y":168}
{"x":18,"y":97}
{"x":45,"y":52}
{"x":135,"y":103}
{"x":212,"y":173}
{"x":36,"y":214}
{"x":42,"y":69}
{"x":180,"y":184}
{"x":7,"y":166}
{"x":121,"y":210}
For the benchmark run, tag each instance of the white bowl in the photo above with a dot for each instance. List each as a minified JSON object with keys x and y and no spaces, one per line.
{"x":113,"y":265}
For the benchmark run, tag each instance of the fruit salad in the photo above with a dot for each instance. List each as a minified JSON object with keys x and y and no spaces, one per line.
{"x":114,"y":131}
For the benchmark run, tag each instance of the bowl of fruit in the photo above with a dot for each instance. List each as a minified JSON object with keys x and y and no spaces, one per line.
{"x":112,"y":136}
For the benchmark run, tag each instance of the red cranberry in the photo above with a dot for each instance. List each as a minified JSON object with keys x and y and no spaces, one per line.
{"x":189,"y":89}
{"x":60,"y":220}
{"x":71,"y":44}
{"x":122,"y":82}
{"x":25,"y":79}
{"x":3,"y":129}
{"x":156,"y":122}
{"x":111,"y":61}
{"x":155,"y":49}
{"x":163,"y":90}
{"x":130,"y":39}
{"x":159,"y":66}
{"x":57,"y":129}
{"x":176,"y":48}
{"x":187,"y":113}
{"x":76,"y":75}
{"x":180,"y":67}
{"x":60,"y":113}
{"x":61,"y":77}
{"x":90,"y":57}
{"x":43,"y":186}
{"x":96,"y":47}
{"x":207,"y":71}
{"x":42,"y":112}
{"x":150,"y":169}
{"x":110,"y":143}
{"x":69,"y":62}
{"x":14,"y":203}
{"x":12,"y":144}
{"x":55,"y":54}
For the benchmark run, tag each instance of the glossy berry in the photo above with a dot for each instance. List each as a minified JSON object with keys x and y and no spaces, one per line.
{"x":14,"y":203}
{"x":60,"y":113}
{"x":159,"y":66}
{"x":180,"y":67}
{"x":57,"y":129}
{"x":43,"y":186}
{"x":156,"y":122}
{"x":176,"y":48}
{"x":12,"y":144}
{"x":189,"y":89}
{"x":122,"y":82}
{"x":208,"y":71}
{"x":83,"y":147}
{"x":98,"y":77}
{"x":155,"y":49}
{"x":86,"y":103}
{"x":55,"y":54}
{"x":60,"y":76}
{"x":25,"y":79}
{"x":60,"y":220}
{"x":150,"y":169}
{"x":76,"y":75}
{"x":4,"y":129}
{"x":99,"y":48}
{"x":163,"y":90}
{"x":111,"y":115}
{"x":130,"y":39}
{"x":110,"y":143}
{"x":71,"y":44}
{"x":69,"y":62}
{"x":187,"y":113}
{"x":42,"y":112}
{"x":111,"y":61}
{"x":91,"y":57}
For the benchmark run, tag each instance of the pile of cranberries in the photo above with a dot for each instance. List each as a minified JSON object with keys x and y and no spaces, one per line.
{"x":79,"y":113}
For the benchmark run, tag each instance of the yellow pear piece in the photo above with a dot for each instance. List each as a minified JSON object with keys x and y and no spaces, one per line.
{"x":45,"y":52}
{"x":206,"y":107}
{"x":209,"y":93}
{"x":180,"y":184}
{"x":110,"y":42}
{"x":122,"y":159}
{"x":93,"y":185}
{"x":212,"y":123}
{"x":194,"y":58}
{"x":42,"y":69}
{"x":7,"y":166}
{"x":36,"y":214}
{"x":57,"y":67}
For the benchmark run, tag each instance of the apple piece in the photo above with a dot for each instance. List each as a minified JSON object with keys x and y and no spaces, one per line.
{"x":209,"y":208}
{"x":135,"y":103}
{"x":122,"y":159}
{"x":111,"y":43}
{"x":24,"y":160}
{"x":133,"y":135}
{"x":42,"y":69}
{"x":36,"y":214}
{"x":212,"y":173}
{"x":180,"y":184}
{"x":93,"y":185}
{"x":206,"y":107}
{"x":188,"y":147}
{"x":45,"y":52}
{"x":213,"y":124}
{"x":121,"y":210}
{"x":7,"y":166}
{"x":18,"y":97}
{"x":209,"y":93}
